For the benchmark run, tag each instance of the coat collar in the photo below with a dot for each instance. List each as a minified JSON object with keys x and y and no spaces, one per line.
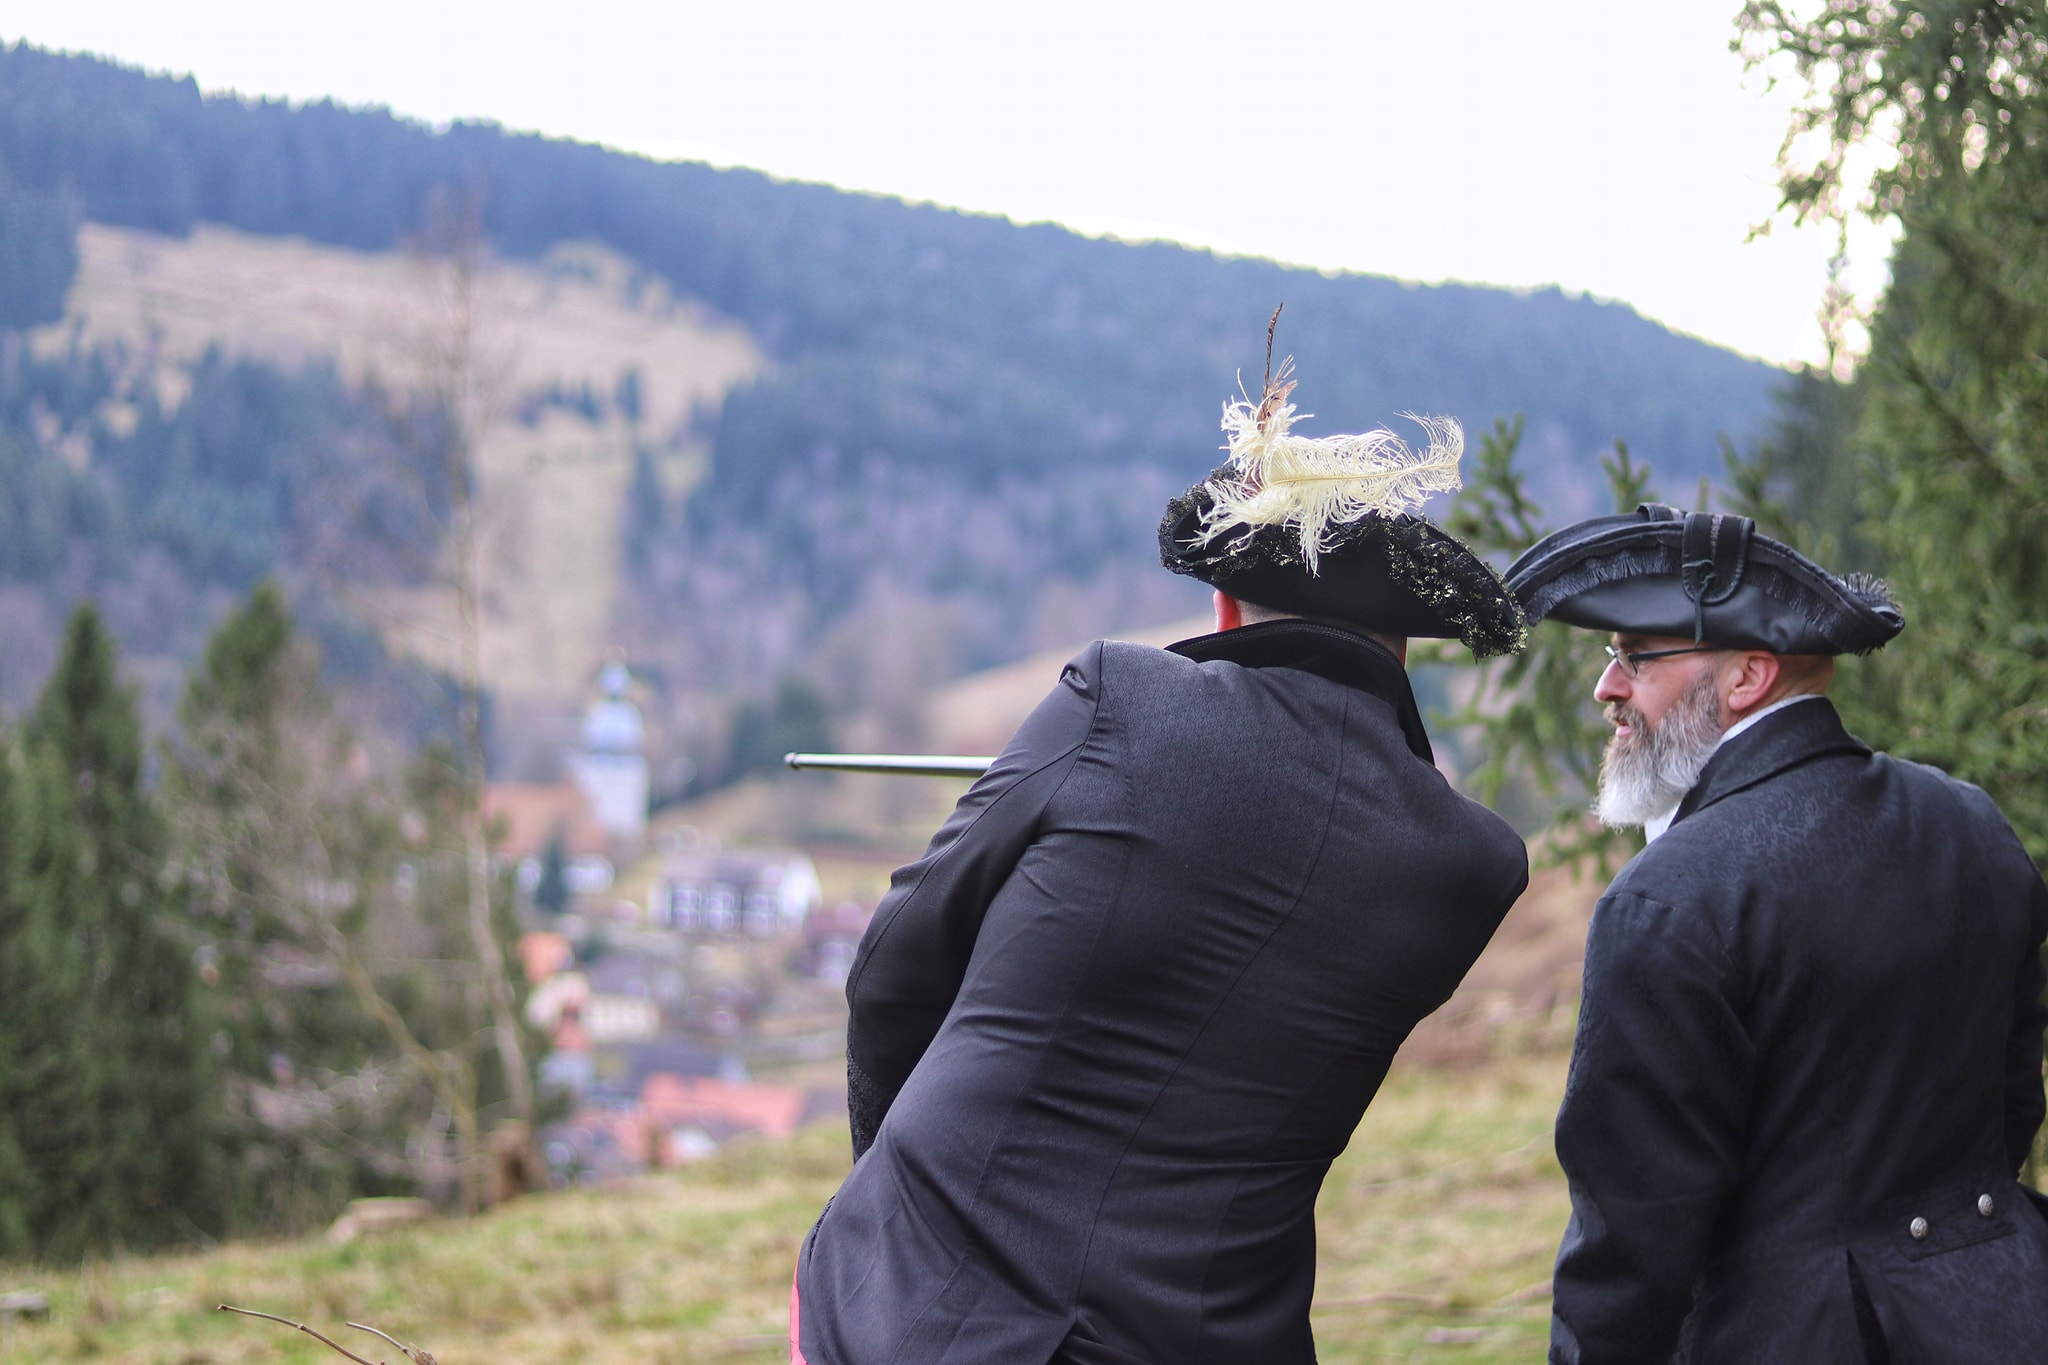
{"x":1780,"y":741}
{"x":1328,"y":651}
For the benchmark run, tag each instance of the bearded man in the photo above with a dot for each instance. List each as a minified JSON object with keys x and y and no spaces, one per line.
{"x":1808,"y":1065}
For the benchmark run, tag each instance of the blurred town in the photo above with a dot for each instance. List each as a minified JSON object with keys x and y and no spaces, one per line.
{"x":688,"y":991}
{"x":687,"y":968}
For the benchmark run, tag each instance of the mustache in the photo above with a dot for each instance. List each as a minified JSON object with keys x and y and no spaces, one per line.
{"x":1621,"y":713}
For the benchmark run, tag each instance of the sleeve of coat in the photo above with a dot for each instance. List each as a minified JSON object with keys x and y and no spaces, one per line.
{"x":911,"y":961}
{"x":1650,"y":1132}
{"x":2009,"y":874}
{"x":2024,"y":1101}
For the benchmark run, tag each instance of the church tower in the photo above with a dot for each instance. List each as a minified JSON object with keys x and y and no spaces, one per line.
{"x":612,"y":766}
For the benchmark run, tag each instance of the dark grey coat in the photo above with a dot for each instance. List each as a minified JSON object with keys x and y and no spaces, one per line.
{"x":1133,"y":1000}
{"x":1812,"y":1016}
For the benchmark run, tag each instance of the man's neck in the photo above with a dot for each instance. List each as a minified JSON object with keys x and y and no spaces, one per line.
{"x":1233,"y":614}
{"x":1752,"y":717}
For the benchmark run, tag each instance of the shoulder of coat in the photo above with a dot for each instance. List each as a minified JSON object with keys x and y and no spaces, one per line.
{"x":1132,"y":659}
{"x":1671,"y":871}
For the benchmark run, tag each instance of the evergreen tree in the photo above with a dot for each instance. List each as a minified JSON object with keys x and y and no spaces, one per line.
{"x":645,"y":512}
{"x":39,"y":249}
{"x":106,"y":1078}
{"x":551,"y":891}
{"x":1531,"y":720}
{"x":247,"y":825}
{"x":332,"y":910}
{"x":32,"y":985}
{"x":762,"y":733}
{"x":1948,"y":419}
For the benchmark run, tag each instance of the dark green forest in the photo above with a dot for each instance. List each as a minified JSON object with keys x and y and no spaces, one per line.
{"x":935,"y":338}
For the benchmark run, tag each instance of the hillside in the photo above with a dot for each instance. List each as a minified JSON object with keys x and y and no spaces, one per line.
{"x":1438,"y":1226}
{"x":870,"y":444}
{"x":553,"y":483}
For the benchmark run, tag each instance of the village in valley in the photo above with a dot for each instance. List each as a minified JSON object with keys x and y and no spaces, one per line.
{"x":685,"y":965}
{"x":689,"y":991}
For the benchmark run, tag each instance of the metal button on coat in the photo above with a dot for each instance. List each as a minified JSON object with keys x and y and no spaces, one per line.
{"x":1984,"y":1205}
{"x":1918,"y":1228}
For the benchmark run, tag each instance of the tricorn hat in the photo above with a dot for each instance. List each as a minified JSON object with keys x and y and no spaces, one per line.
{"x":1705,"y":576}
{"x":1328,"y":526}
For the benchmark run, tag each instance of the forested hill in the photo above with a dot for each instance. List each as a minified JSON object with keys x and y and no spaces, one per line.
{"x":970,"y":408}
{"x":933,"y":336}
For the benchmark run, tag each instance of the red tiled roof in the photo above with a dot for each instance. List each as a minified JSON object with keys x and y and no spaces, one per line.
{"x":668,"y":1100}
{"x":530,"y":814}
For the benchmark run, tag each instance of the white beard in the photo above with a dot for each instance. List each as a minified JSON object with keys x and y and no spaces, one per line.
{"x":1649,"y":771}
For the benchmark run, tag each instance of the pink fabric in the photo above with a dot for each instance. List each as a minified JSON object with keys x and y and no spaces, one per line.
{"x":796,"y":1352}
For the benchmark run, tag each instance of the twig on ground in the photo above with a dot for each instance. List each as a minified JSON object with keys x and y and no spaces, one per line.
{"x":412,"y":1353}
{"x":1534,"y":1293}
{"x":325,"y":1341}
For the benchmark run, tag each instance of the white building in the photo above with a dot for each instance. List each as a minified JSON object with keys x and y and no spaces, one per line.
{"x":611,"y":768}
{"x":725,"y":892}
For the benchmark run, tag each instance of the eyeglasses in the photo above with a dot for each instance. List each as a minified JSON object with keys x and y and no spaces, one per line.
{"x":1632,"y":660}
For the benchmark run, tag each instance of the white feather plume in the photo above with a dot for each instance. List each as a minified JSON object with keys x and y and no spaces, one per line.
{"x":1321,"y":484}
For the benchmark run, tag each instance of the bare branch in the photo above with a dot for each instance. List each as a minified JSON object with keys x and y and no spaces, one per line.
{"x":412,"y":1353}
{"x":325,"y":1341}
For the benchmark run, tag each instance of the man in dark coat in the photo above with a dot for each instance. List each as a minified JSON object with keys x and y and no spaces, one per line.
{"x":1109,"y":1032}
{"x":1808,"y":1064}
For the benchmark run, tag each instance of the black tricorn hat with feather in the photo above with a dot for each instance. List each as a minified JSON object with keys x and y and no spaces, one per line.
{"x":1329,"y":526}
{"x":1705,"y":576}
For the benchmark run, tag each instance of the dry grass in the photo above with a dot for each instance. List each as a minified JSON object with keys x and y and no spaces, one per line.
{"x":1441,"y":1219}
{"x":682,"y":1267}
{"x":1443,"y":1216}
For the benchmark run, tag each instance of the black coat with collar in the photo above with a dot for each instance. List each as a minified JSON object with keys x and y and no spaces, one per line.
{"x":1811,"y":1017}
{"x":1109,"y":1032}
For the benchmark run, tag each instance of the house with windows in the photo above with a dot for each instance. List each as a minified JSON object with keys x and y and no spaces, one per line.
{"x":725,"y":893}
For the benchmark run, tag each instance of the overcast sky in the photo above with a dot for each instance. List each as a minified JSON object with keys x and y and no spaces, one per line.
{"x":1609,"y":146}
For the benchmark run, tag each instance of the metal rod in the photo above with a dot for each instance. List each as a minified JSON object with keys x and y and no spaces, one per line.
{"x":909,"y":765}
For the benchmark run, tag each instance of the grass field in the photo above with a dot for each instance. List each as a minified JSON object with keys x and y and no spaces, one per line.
{"x":1437,"y":1231}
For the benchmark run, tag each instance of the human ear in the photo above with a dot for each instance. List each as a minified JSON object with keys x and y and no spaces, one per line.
{"x":1753,"y":676}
